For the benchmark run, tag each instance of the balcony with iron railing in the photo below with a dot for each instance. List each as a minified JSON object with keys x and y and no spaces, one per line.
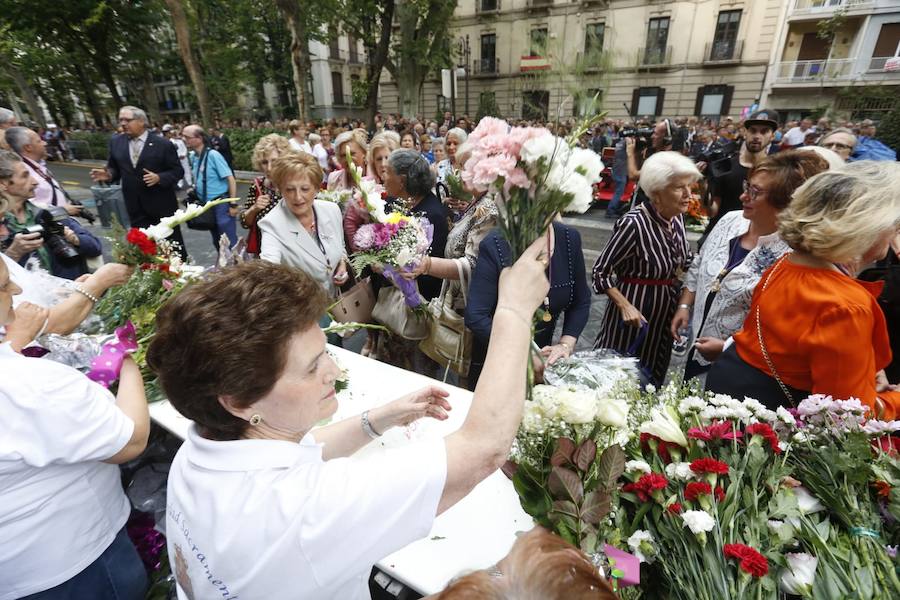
{"x":827,"y":8}
{"x":885,"y":64}
{"x":814,"y":71}
{"x":486,"y":66}
{"x":654,"y":56}
{"x":723,"y":52}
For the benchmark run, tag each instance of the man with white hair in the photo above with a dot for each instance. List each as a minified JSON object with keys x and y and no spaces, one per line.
{"x":148,"y":167}
{"x":33,"y":150}
{"x":7,"y":120}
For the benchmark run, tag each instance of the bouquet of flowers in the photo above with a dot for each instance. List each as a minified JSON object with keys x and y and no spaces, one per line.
{"x":534,"y":176}
{"x":397,"y":244}
{"x":339,"y":197}
{"x":455,"y":187}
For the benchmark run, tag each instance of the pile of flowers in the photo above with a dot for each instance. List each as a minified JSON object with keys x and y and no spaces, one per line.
{"x":534,"y":175}
{"x":719,"y":497}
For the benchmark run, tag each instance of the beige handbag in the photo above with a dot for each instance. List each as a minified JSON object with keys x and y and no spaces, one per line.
{"x":449,"y":343}
{"x":391,"y":311}
{"x":356,"y":305}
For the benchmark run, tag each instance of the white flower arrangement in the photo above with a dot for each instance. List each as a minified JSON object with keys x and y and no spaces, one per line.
{"x":698,"y":521}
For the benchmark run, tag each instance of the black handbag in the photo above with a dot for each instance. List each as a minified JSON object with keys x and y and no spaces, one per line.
{"x":207,"y":220}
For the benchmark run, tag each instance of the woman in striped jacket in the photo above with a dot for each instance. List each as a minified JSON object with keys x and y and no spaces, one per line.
{"x":642,"y":266}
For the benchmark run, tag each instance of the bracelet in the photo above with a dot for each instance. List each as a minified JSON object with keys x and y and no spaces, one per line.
{"x":513,"y":311}
{"x":78,"y":288}
{"x":687,"y":306}
{"x":367,"y":426}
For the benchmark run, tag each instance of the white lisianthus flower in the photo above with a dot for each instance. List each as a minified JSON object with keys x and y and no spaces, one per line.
{"x":643,"y":546}
{"x":699,"y":521}
{"x":806,"y":502}
{"x":680,"y":471}
{"x":798,"y":578}
{"x":613,"y":412}
{"x":547,"y":146}
{"x":663,"y":424}
{"x":576,"y":406}
{"x":640,"y":466}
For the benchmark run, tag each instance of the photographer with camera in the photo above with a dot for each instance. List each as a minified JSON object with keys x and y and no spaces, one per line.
{"x":49,"y":235}
{"x":33,"y":151}
{"x":640,"y":144}
{"x":727,"y":166}
{"x":213,"y":179}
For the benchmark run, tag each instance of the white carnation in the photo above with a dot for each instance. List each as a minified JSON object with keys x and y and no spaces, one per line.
{"x":691,"y":404}
{"x":586,"y":163}
{"x":642,"y":545}
{"x":785,"y":416}
{"x":699,"y":521}
{"x":546,"y":146}
{"x":680,"y":471}
{"x":637,"y":465}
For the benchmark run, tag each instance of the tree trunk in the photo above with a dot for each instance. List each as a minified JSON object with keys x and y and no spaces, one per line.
{"x":105,"y":70}
{"x":183,"y":34}
{"x":299,"y":53}
{"x":376,"y":59}
{"x":27,"y":92}
{"x":87,"y":89}
{"x":151,"y":98}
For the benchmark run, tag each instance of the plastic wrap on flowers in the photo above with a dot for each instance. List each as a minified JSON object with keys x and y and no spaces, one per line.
{"x":592,"y":369}
{"x":76,"y":350}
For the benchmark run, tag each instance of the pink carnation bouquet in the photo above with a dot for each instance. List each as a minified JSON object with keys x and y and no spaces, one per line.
{"x":533,"y":174}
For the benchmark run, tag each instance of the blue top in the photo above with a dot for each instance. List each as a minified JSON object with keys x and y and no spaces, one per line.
{"x":568,"y":294}
{"x":217,"y":173}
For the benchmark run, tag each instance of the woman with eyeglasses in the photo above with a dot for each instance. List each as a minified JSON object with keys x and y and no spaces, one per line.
{"x":840,"y":141}
{"x":740,"y":247}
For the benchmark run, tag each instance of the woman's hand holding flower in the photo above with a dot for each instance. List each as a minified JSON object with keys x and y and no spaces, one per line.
{"x":427,"y":402}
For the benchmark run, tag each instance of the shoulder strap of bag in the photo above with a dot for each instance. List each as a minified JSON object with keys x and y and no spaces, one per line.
{"x":762,"y":344}
{"x":202,"y":168}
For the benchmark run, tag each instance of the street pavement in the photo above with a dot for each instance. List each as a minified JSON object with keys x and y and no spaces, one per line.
{"x":595,"y":232}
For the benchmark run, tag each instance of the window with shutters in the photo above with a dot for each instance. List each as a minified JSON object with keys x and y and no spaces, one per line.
{"x":593,"y":38}
{"x":657,"y":37}
{"x":725,"y":38}
{"x":488,"y":53}
{"x":647,"y":101}
{"x":337,"y":87}
{"x":538,"y":46}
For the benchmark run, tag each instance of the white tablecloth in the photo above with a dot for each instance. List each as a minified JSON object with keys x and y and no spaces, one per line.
{"x":472,"y":535}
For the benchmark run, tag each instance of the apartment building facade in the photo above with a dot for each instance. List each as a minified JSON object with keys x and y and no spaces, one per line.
{"x":830,"y":53}
{"x":642,"y":58}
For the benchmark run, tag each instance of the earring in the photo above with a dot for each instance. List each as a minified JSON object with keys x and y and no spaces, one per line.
{"x":255,"y":419}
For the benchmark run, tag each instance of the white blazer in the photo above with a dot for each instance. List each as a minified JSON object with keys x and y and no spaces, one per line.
{"x":287,"y":242}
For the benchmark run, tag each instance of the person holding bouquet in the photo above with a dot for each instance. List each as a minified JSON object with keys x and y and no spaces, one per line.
{"x":263,"y":502}
{"x":262,"y":196}
{"x":380,"y":149}
{"x":302,"y":232}
{"x":62,"y":507}
{"x":812,"y":327}
{"x":356,"y":142}
{"x":455,"y":138}
{"x":641,"y":268}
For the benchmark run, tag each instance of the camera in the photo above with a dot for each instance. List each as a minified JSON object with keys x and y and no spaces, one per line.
{"x":49,"y":225}
{"x":85,"y":213}
{"x":641,"y":136}
{"x":718,"y":157}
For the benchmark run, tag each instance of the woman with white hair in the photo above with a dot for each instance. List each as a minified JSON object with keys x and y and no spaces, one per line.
{"x":812,"y":327}
{"x":455,"y":138}
{"x":642,"y":266}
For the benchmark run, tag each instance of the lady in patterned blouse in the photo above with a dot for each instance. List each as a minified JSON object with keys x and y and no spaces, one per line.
{"x":262,"y":196}
{"x":641,"y":267}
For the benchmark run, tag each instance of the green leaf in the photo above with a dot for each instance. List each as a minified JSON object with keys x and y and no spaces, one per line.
{"x":595,"y":507}
{"x":585,"y":454}
{"x":611,"y":467}
{"x":565,"y":507}
{"x":565,"y":483}
{"x":563,"y":452}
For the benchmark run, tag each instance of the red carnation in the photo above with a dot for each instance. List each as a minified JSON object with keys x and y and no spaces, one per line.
{"x":709,"y":465}
{"x":646,"y":485}
{"x":882,"y":489}
{"x":662,"y":446}
{"x":674,"y":508}
{"x":695,"y":489}
{"x":139,"y":238}
{"x":765,"y":431}
{"x":751,"y":561}
{"x":720,"y":494}
{"x":718,"y":430}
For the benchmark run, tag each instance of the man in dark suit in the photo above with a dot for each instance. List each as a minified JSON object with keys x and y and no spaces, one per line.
{"x":148,"y":167}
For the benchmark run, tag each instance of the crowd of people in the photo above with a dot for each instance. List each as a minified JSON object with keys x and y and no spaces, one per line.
{"x":258,"y":500}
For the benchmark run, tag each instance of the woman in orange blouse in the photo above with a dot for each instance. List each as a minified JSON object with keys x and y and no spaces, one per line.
{"x":812,"y":328}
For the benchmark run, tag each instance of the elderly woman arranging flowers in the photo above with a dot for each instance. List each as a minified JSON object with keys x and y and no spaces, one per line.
{"x":262,"y":502}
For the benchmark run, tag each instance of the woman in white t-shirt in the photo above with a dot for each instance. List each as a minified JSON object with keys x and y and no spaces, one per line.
{"x":260,"y":506}
{"x":62,"y":508}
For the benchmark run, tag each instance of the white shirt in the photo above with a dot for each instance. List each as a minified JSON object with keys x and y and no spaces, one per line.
{"x":181,"y":149}
{"x":136,"y":146}
{"x":321,"y":155}
{"x":60,"y":507}
{"x":271,"y":519}
{"x":796,"y":136}
{"x":304,"y":147}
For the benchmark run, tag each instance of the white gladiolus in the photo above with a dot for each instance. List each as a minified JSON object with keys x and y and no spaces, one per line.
{"x":699,"y":521}
{"x":664,"y":425}
{"x":642,"y":545}
{"x":637,"y":465}
{"x":158,"y":232}
{"x":798,"y":578}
